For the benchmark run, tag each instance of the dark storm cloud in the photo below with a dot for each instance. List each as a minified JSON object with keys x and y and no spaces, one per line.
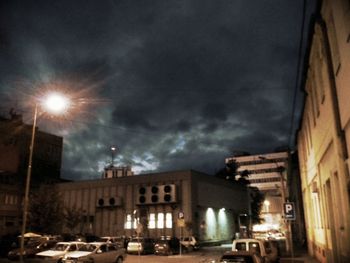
{"x":184,"y":83}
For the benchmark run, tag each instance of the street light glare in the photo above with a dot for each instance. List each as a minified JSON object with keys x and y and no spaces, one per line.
{"x":56,"y":103}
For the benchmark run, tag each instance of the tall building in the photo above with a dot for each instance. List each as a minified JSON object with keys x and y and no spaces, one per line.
{"x":267,"y":172}
{"x":15,"y":139}
{"x":324,"y":135}
{"x":14,"y":154}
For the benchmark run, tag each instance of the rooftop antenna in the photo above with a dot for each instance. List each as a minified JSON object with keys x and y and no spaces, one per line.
{"x":113,"y":149}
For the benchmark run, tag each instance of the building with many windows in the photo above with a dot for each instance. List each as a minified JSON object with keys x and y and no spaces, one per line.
{"x":267,"y":172}
{"x":153,"y":203}
{"x":324,"y":134}
{"x":15,"y":139}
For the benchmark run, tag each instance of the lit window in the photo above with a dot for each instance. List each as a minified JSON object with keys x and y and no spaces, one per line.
{"x":128,"y":221}
{"x":152,"y":221}
{"x":136,"y":220}
{"x":168,"y":220}
{"x":160,"y":222}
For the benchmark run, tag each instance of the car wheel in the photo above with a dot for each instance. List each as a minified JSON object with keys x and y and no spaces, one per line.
{"x":119,"y":260}
{"x":190,"y":248}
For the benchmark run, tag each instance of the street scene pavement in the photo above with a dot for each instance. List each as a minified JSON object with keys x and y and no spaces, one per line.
{"x":210,"y":254}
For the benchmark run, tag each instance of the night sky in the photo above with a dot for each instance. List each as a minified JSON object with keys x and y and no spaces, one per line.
{"x":172,"y":84}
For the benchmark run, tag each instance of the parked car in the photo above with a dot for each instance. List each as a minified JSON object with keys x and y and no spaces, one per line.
{"x":96,"y":252}
{"x":8,"y":242}
{"x":31,"y":249}
{"x":266,"y":249}
{"x":121,"y":241}
{"x":57,"y":253}
{"x":240,"y":256}
{"x":141,"y":245}
{"x":167,"y":245}
{"x":189,"y":243}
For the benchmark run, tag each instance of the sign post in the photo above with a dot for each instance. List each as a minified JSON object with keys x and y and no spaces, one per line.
{"x":181,"y":224}
{"x":289,"y":214}
{"x":139,"y":229}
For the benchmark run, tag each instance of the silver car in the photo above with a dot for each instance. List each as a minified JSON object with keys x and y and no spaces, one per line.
{"x":57,"y":253}
{"x":96,"y":252}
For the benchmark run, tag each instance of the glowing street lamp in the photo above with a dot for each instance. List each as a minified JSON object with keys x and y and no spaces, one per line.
{"x":55,"y":104}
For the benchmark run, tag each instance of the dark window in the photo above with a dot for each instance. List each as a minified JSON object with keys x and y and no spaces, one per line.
{"x":241,"y":246}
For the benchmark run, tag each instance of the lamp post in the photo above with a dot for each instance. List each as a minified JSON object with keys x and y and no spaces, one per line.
{"x":55,"y":104}
{"x":113,"y":149}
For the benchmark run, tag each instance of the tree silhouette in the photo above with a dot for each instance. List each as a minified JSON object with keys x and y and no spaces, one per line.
{"x":46,"y":211}
{"x":257,"y":199}
{"x":73,"y":217}
{"x":243,"y":177}
{"x":229,"y":172}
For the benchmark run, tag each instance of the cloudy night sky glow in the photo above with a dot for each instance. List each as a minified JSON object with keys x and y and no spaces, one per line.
{"x":172,"y":84}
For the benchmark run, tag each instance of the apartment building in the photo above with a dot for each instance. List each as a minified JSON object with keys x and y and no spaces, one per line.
{"x":324,"y":135}
{"x":268,"y":173}
{"x":14,"y":154}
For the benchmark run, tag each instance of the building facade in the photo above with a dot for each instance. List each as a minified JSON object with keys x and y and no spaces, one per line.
{"x":324,"y":135}
{"x":116,"y":206}
{"x":267,"y":172}
{"x":14,"y":151}
{"x":112,"y":171}
{"x":14,"y":154}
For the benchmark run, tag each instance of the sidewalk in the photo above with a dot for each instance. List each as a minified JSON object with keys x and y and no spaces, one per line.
{"x":300,"y":255}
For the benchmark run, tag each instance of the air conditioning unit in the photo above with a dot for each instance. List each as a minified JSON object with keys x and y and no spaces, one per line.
{"x":100,"y":202}
{"x":156,"y":194}
{"x":168,"y":193}
{"x":113,"y":201}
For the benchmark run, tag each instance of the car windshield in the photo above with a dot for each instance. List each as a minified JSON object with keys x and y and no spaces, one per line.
{"x":61,"y":247}
{"x":162,"y":241}
{"x":236,"y":259}
{"x":87,"y":247}
{"x":33,"y":244}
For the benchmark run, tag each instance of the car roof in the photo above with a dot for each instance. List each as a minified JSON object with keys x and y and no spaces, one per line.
{"x":240,"y":253}
{"x":97,"y":243}
{"x":247,"y":240}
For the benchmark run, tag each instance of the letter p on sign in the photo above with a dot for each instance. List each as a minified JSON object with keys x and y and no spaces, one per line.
{"x":289,"y":211}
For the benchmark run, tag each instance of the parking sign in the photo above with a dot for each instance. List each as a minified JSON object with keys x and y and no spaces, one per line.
{"x":289,"y":211}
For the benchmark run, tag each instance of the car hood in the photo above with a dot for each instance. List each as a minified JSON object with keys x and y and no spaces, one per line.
{"x":51,"y":253}
{"x":78,"y":254}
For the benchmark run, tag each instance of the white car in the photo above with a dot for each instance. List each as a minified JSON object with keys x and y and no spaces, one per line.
{"x":240,"y":256}
{"x":266,"y":249}
{"x":96,"y":252}
{"x":190,"y":243}
{"x":57,"y":253}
